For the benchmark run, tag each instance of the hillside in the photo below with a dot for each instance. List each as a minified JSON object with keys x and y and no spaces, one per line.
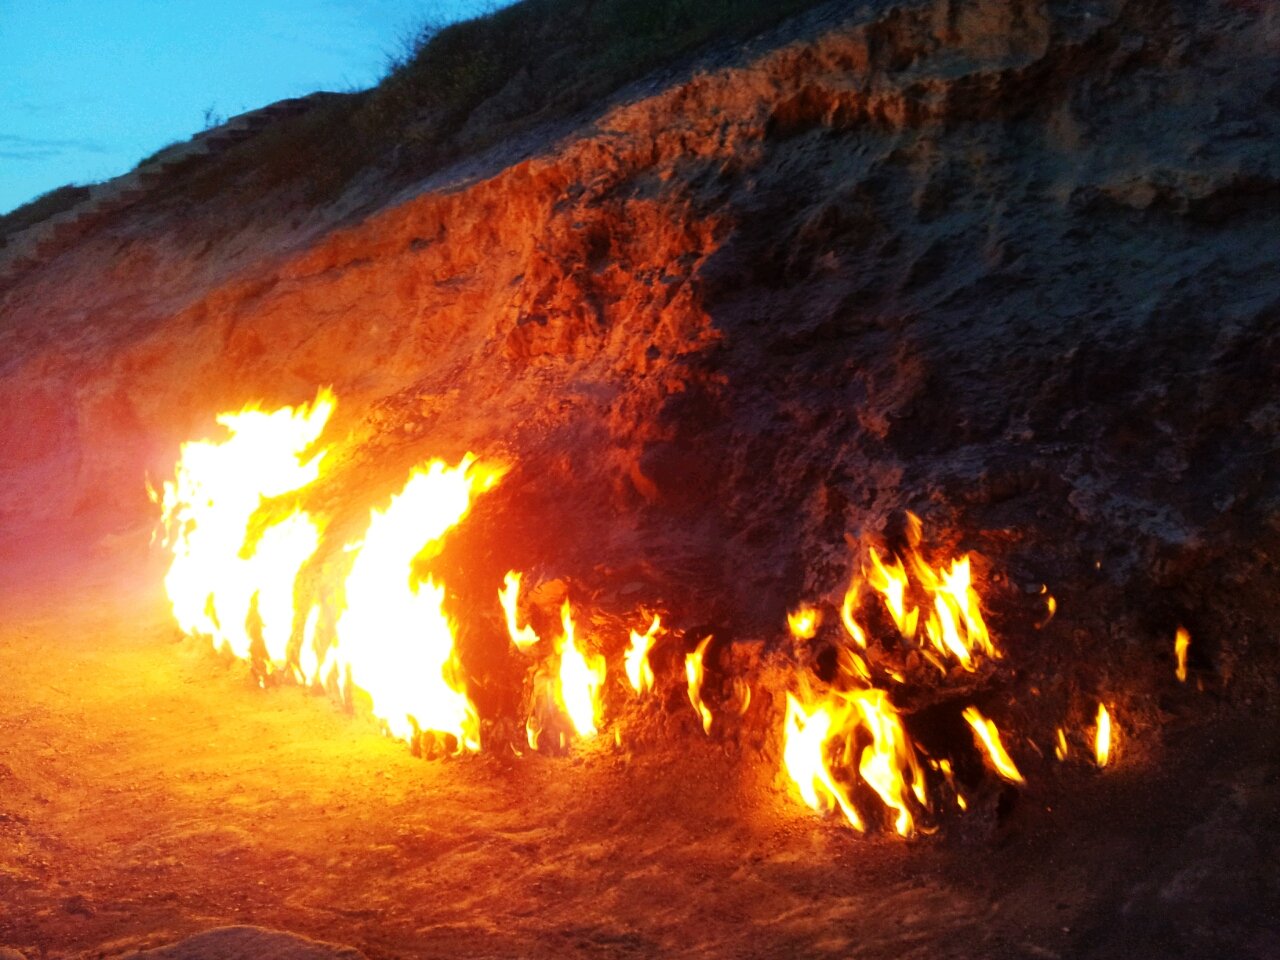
{"x":1009,"y":266}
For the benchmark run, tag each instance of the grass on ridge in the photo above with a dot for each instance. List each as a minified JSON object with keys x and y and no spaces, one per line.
{"x":466,"y":86}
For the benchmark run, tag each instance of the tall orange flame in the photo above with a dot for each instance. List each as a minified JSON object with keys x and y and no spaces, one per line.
{"x":954,"y":627}
{"x":394,"y":640}
{"x":581,"y":679}
{"x":224,"y":577}
{"x":841,"y":726}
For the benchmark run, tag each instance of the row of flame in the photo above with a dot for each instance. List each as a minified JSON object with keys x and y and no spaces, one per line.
{"x":234,"y":575}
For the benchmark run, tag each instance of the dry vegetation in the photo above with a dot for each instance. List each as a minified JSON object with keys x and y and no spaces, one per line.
{"x":456,"y":88}
{"x":463,"y":87}
{"x":40,"y":209}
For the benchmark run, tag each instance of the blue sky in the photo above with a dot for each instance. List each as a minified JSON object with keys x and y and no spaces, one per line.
{"x":89,"y":87}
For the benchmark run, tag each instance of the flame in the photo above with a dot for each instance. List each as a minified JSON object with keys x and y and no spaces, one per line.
{"x":1050,"y":605}
{"x":953,"y":627}
{"x":234,"y":568}
{"x":988,"y":737}
{"x":523,"y":637}
{"x":639,"y":672}
{"x":852,"y":664}
{"x":1181,"y":643}
{"x":847,"y":606}
{"x":888,"y":763}
{"x":835,"y":727}
{"x":394,"y":640}
{"x":1102,"y":737}
{"x":693,"y":672}
{"x":239,"y":540}
{"x":891,"y":583}
{"x":581,"y":680}
{"x":806,"y":734}
{"x":803,"y":622}
{"x":1061,"y":750}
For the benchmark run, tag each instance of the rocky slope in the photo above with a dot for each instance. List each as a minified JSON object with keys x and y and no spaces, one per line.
{"x":1010,"y":265}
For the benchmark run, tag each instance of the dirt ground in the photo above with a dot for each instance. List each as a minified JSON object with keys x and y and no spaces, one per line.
{"x":149,"y":791}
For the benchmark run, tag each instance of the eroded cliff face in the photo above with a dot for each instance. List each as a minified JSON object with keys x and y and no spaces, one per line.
{"x":1009,"y":265}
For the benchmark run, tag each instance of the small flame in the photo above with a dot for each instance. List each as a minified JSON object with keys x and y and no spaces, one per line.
{"x":693,"y":672}
{"x":523,"y":637}
{"x":803,"y":622}
{"x":847,"y":607}
{"x":1050,"y":604}
{"x":891,"y":583}
{"x":581,"y":679}
{"x":639,"y":671}
{"x":1102,"y":737}
{"x":1181,"y":643}
{"x":988,"y":737}
{"x":1061,"y":750}
{"x":851,"y":664}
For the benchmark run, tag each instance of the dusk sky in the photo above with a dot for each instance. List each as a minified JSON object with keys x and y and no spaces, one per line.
{"x":90,"y":87}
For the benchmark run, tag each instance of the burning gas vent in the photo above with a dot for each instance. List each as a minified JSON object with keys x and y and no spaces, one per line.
{"x":381,"y":636}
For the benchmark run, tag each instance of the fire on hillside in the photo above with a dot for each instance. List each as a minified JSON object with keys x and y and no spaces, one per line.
{"x":382,"y":635}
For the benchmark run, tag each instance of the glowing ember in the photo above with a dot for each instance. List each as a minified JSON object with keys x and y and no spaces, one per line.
{"x":1181,"y":643}
{"x":394,"y":641}
{"x":804,"y":622}
{"x":1102,"y":737}
{"x":581,"y":679}
{"x":235,"y":554}
{"x":636,"y":658}
{"x":693,"y":673}
{"x":1061,"y":750}
{"x":522,"y":637}
{"x":988,"y":737}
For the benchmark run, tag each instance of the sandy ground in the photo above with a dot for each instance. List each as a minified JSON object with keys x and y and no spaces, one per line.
{"x":149,"y":790}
